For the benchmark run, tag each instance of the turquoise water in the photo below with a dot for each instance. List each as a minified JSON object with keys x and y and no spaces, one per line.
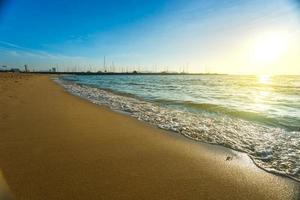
{"x":256,"y":115}
{"x":275,"y":102}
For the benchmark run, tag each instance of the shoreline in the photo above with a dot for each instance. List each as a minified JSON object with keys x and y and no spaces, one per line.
{"x":135,"y":161}
{"x":63,"y":83}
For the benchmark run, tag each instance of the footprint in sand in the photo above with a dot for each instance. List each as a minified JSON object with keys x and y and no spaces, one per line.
{"x":229,"y":158}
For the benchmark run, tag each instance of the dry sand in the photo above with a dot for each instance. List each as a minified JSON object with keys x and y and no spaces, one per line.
{"x":57,"y":146}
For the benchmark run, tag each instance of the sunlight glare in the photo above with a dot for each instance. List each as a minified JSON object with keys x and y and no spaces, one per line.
{"x":269,"y":47}
{"x":264,"y":79}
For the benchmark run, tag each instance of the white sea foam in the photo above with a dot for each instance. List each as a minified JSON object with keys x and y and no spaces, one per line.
{"x":273,"y":149}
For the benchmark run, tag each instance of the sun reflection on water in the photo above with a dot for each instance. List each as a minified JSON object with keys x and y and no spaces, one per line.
{"x":263,"y":94}
{"x":260,"y":100}
{"x":264,"y":79}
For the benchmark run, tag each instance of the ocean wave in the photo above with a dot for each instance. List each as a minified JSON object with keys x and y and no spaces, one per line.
{"x":284,"y":122}
{"x":273,"y":149}
{"x":290,"y":125}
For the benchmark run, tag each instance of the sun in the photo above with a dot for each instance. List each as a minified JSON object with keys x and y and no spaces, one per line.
{"x":269,"y":47}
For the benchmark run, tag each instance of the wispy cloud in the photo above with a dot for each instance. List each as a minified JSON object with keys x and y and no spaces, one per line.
{"x":19,"y":51}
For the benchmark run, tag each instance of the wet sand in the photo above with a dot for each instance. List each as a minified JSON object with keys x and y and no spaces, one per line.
{"x":57,"y":146}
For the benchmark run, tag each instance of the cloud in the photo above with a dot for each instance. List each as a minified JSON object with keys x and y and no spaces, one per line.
{"x":19,"y":51}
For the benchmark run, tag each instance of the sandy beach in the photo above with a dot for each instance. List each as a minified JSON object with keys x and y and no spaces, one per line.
{"x":57,"y":146}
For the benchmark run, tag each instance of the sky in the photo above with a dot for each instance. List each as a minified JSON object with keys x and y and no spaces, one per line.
{"x":216,"y":36}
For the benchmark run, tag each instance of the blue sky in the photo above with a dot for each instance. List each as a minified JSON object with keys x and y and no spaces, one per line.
{"x":175,"y":35}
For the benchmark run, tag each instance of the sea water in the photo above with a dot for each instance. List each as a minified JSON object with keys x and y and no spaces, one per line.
{"x":258,"y":115}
